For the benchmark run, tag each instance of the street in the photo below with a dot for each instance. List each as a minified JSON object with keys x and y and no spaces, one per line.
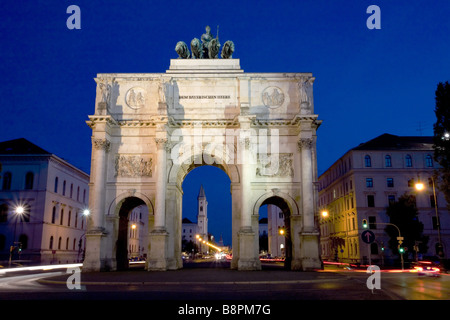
{"x":213,"y":280}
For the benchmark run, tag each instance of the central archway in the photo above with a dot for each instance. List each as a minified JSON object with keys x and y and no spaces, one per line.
{"x":206,"y":215}
{"x":177,"y":175}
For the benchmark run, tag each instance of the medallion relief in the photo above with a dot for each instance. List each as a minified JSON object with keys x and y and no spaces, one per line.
{"x":273,"y":97}
{"x":135,"y":98}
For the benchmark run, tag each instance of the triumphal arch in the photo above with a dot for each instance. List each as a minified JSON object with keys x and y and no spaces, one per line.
{"x":150,"y":129}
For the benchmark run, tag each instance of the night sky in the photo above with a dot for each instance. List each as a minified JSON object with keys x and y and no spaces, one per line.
{"x":368,"y":82}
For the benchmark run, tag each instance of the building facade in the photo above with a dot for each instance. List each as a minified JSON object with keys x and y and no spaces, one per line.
{"x":42,"y":200}
{"x":361,"y":185}
{"x":276,"y":231}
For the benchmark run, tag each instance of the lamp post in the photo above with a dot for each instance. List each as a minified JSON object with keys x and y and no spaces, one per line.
{"x":419,"y":187}
{"x":332,"y":231}
{"x":19,"y":211}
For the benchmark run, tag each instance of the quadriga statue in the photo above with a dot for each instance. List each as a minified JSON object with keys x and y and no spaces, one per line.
{"x":196,"y":49}
{"x":227,"y":50}
{"x":183,"y":51}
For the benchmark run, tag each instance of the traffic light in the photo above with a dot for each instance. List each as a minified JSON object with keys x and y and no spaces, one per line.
{"x":364,"y":223}
{"x":401,"y":250}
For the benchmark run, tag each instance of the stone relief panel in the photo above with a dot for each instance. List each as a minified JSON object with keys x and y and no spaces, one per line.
{"x":273,"y":97}
{"x":275,"y":165}
{"x":133,"y":166}
{"x":135,"y":98}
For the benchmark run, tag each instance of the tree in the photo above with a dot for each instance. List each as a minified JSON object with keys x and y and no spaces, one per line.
{"x":404,"y":214}
{"x":441,"y":139}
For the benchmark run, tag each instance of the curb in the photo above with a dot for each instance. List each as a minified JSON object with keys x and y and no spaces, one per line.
{"x":165,"y":283}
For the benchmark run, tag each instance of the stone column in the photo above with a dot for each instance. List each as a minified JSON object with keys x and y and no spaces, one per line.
{"x":100,"y":148}
{"x":161,"y":184}
{"x":248,"y":252}
{"x":157,"y":258}
{"x":95,"y":231}
{"x":305,"y":146}
{"x":308,"y":257}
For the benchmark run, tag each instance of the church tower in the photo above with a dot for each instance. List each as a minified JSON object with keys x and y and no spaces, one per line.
{"x":202,"y":215}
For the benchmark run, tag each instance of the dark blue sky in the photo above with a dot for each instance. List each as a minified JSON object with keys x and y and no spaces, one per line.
{"x":368,"y":82}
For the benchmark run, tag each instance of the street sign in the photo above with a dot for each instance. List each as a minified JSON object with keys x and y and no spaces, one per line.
{"x":368,"y":236}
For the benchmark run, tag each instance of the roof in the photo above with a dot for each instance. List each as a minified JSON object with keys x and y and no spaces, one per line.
{"x":392,"y":142}
{"x":201,"y":193}
{"x":186,"y":220}
{"x":21,"y":146}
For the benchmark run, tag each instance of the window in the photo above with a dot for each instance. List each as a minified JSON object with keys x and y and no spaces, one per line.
{"x":26,"y":214}
{"x":78,"y":194}
{"x":388,"y":161}
{"x":56,"y":185}
{"x":23,"y":239}
{"x":4,"y":212}
{"x":29,"y":179}
{"x":429,"y":161}
{"x":64,"y":188}
{"x":2,"y":242}
{"x":435,"y":223}
{"x":84,"y":195}
{"x":432,"y":202}
{"x":76,"y":219}
{"x":408,"y":161}
{"x":59,"y":243}
{"x":74,"y":243}
{"x":68,"y":218}
{"x":61,"y":220}
{"x":71,"y":190}
{"x":369,"y":182}
{"x":7,"y":178}
{"x":390,"y":182}
{"x":67,"y":244}
{"x":53,"y":215}
{"x":391,"y":199}
{"x":372,"y":222}
{"x":367,"y":161}
{"x":371,"y":200}
{"x":50,"y":246}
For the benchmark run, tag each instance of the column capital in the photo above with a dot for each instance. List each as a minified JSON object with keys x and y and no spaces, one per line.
{"x":101,"y":144}
{"x":304,"y":143}
{"x":161,"y":143}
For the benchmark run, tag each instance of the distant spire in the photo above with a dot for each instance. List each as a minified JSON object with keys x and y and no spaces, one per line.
{"x":201,"y":193}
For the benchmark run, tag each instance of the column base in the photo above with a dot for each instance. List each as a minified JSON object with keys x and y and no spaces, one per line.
{"x":248,"y":254}
{"x":310,"y":257}
{"x":157,"y":257}
{"x":93,"y":260}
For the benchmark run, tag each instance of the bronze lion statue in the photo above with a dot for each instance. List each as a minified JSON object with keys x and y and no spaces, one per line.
{"x":183,"y":51}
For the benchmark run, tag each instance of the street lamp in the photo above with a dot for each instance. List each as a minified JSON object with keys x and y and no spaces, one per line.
{"x":19,"y":211}
{"x":324,"y":213}
{"x":420,"y":186}
{"x":86,"y":212}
